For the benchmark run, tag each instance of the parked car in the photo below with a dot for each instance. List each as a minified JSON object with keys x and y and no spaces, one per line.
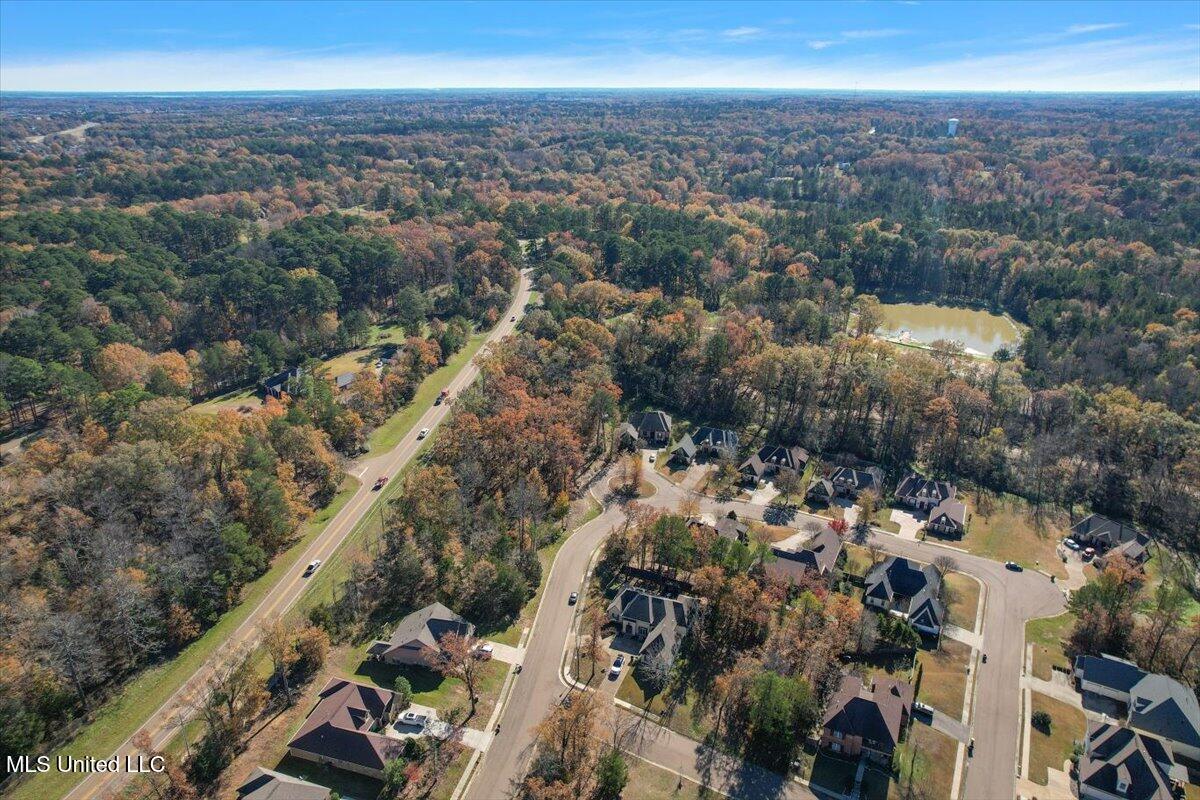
{"x":513,"y":318}
{"x":1070,"y":544}
{"x":922,"y":708}
{"x":484,"y":652}
{"x":653,"y":456}
{"x":424,"y":432}
{"x":1089,"y":553}
{"x":380,"y":482}
{"x":312,"y":567}
{"x":379,"y":364}
{"x":616,"y":667}
{"x":573,"y":599}
{"x":1014,"y":566}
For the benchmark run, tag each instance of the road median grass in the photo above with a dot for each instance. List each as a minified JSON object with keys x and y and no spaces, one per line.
{"x":120,"y":717}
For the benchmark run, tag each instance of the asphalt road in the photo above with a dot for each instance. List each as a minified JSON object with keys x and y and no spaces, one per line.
{"x":164,"y":722}
{"x":1011,"y":598}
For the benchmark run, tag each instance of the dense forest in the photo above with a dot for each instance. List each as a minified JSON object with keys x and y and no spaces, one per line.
{"x":719,"y":255}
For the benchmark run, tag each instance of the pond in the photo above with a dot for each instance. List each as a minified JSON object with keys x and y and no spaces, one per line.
{"x":980,"y":332}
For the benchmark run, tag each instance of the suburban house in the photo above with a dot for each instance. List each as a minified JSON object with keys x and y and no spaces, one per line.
{"x":1155,"y":704}
{"x":1122,"y":764}
{"x":948,"y":518}
{"x":727,"y":527}
{"x":908,"y":590}
{"x":345,"y":729}
{"x":818,"y":555}
{"x":267,"y":784}
{"x":1109,"y":536}
{"x":281,"y":383}
{"x":821,"y":490}
{"x":658,"y":623}
{"x":770,"y":459}
{"x":706,"y":442}
{"x":866,"y":721}
{"x":922,"y":493}
{"x":417,"y":639}
{"x":851,"y":482}
{"x":646,"y":428}
{"x":344,"y":380}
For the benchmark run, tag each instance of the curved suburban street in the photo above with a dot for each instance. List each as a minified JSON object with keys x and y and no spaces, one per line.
{"x":1010,"y":598}
{"x":164,"y":723}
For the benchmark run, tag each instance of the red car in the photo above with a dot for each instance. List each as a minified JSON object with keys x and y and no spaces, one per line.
{"x":380,"y":483}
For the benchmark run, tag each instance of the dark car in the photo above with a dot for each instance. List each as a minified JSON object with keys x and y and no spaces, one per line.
{"x":1014,"y":566}
{"x":573,"y":599}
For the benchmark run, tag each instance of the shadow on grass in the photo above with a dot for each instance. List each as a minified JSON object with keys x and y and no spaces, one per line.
{"x":346,"y":784}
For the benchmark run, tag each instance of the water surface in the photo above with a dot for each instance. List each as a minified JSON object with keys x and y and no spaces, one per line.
{"x":980,"y":332}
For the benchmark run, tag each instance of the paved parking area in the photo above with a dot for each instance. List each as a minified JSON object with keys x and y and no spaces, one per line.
{"x":910,"y":524}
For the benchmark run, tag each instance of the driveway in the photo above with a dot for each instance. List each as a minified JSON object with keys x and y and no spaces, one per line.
{"x":506,"y":653}
{"x":910,"y":524}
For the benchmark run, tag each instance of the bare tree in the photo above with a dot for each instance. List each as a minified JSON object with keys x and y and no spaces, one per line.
{"x":457,"y":659}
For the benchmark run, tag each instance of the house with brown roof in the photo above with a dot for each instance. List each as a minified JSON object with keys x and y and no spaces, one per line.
{"x":417,"y":640}
{"x":870,"y":721}
{"x":646,"y":429}
{"x":345,"y":729}
{"x":851,"y":481}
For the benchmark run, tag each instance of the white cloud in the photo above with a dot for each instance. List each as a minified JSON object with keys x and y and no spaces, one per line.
{"x":1130,"y":64}
{"x":821,"y":44}
{"x":743,"y":32}
{"x":874,"y":33}
{"x":1075,"y":30}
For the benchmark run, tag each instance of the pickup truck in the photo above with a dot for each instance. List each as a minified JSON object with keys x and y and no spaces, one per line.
{"x":441,"y":398}
{"x":380,"y":482}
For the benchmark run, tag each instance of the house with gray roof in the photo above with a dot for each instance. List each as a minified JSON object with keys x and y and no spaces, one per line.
{"x":818,"y":556}
{"x":281,"y":383}
{"x":851,"y":482}
{"x":658,"y":623}
{"x":727,"y":527}
{"x":1102,"y":533}
{"x":1121,"y":764}
{"x":821,"y":490}
{"x":267,"y":784}
{"x":345,"y":729}
{"x":908,"y":590}
{"x":870,"y":721}
{"x":1155,"y":704}
{"x":772,"y":458}
{"x":948,"y":518}
{"x":417,"y":639}
{"x":921,"y":493}
{"x":647,"y":429}
{"x":706,"y":441}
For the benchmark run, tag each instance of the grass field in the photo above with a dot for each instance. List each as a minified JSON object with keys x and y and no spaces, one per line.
{"x":939,"y":751}
{"x":1004,"y":528}
{"x":118,"y":719}
{"x":238,"y":397}
{"x":858,"y":559}
{"x":1046,"y":636}
{"x":678,"y":719}
{"x":429,"y":688}
{"x":1049,"y":751}
{"x":964,"y":603}
{"x":944,"y":677}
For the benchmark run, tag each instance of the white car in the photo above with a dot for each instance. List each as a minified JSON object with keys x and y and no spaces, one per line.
{"x":414,"y":719}
{"x":424,"y":432}
{"x":1071,"y":544}
{"x":484,"y":652}
{"x":312,"y":567}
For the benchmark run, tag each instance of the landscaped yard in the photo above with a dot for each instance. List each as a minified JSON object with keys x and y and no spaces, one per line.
{"x":944,"y":677}
{"x":833,"y":772}
{"x":235,"y":399}
{"x":648,"y":782}
{"x":680,"y":717}
{"x":1050,"y":751}
{"x":1004,"y":528}
{"x":858,"y":559}
{"x":346,"y":784}
{"x":1046,"y":636}
{"x":939,"y":752}
{"x":964,"y":600}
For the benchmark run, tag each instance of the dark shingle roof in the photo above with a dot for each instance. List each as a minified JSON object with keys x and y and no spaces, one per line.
{"x":876,"y":714}
{"x":820,"y":553}
{"x":651,"y":422}
{"x":1114,"y":673}
{"x":426,"y":626}
{"x":1117,"y":754}
{"x":715,"y":437}
{"x":342,"y":724}
{"x":1165,"y":707}
{"x":916,"y":487}
{"x":1097,"y":528}
{"x":953,"y":510}
{"x":858,"y":480}
{"x":266,"y":784}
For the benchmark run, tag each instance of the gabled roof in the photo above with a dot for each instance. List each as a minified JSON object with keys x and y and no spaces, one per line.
{"x":953,"y":511}
{"x":732,"y":528}
{"x":820,"y":487}
{"x":666,"y":618}
{"x":424,"y":627}
{"x":1136,"y":550}
{"x":266,"y":784}
{"x":774,"y":456}
{"x":686,"y":446}
{"x":345,"y":379}
{"x":820,"y":553}
{"x":342,"y":726}
{"x":900,"y":581}
{"x":1108,"y":671}
{"x":916,"y":487}
{"x":876,"y":713}
{"x":720,"y":438}
{"x":651,"y":422}
{"x":1165,"y":707}
{"x":858,"y":480}
{"x":1116,"y":754}
{"x":1097,"y":528}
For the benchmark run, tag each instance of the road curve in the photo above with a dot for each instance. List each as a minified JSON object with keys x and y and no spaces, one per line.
{"x":164,"y":722}
{"x":1011,"y":598}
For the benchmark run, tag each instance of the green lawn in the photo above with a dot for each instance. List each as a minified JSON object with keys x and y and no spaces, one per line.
{"x":1004,"y":528}
{"x":238,"y":397}
{"x":648,"y":782}
{"x":858,"y":560}
{"x":964,"y":600}
{"x":939,"y":752}
{"x":119,"y":718}
{"x":679,"y":718}
{"x":944,"y":676}
{"x":1049,"y":751}
{"x":429,"y":688}
{"x":389,"y":434}
{"x":1046,"y":636}
{"x":346,"y":784}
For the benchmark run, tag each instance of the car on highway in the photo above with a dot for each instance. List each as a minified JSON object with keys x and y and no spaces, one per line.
{"x":424,"y":432}
{"x":615,"y":670}
{"x":1014,"y":566}
{"x":573,"y":599}
{"x":380,"y":482}
{"x":441,"y":398}
{"x":312,"y":567}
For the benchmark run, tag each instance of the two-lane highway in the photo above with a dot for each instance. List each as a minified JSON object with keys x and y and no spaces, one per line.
{"x":163,"y":723}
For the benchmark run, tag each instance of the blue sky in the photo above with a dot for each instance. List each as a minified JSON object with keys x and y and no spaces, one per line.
{"x":1019,"y":46}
